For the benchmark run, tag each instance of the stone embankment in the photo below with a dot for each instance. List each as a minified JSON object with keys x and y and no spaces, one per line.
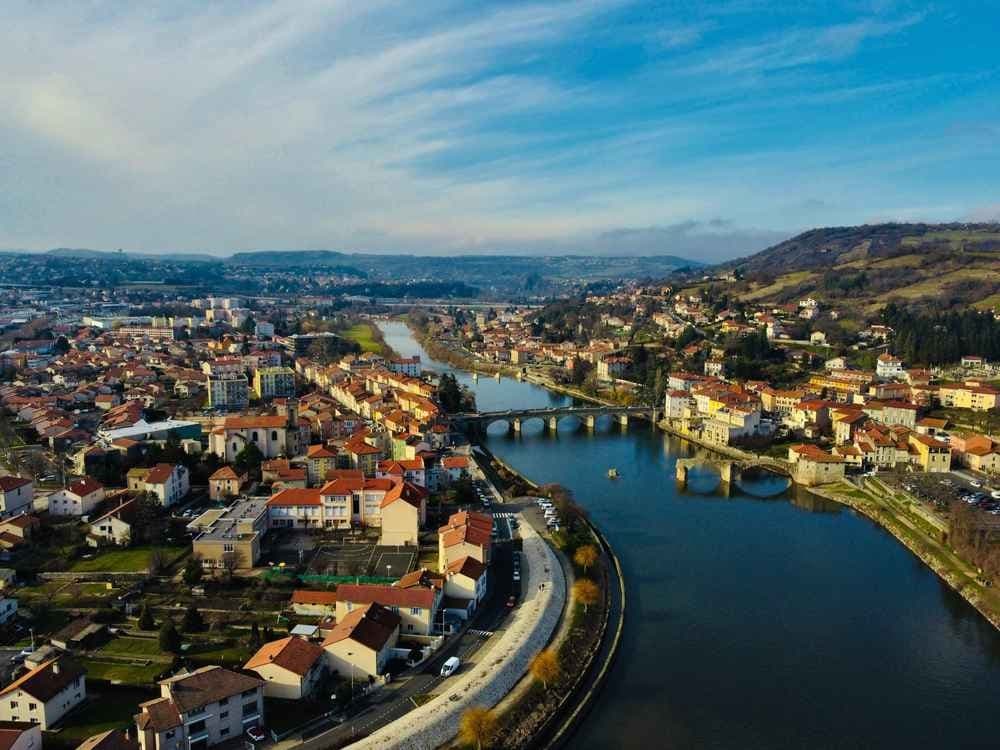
{"x":487,"y":681}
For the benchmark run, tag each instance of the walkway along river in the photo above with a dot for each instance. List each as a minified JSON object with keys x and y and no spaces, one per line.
{"x":755,"y":622}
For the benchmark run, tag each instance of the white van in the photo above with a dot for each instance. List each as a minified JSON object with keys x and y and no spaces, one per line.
{"x":450,"y":666}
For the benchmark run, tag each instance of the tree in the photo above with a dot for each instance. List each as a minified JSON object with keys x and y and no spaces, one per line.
{"x":193,"y":571}
{"x":586,"y":556}
{"x":248,"y":326}
{"x":146,"y":621}
{"x":61,"y":346}
{"x":450,"y":393}
{"x":255,"y":635}
{"x":170,"y":639}
{"x":478,"y":727}
{"x":231,"y":562}
{"x":586,"y":592}
{"x":248,"y":460}
{"x":193,"y":621}
{"x":545,"y":667}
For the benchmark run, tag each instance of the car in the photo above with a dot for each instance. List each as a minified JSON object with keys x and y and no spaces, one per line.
{"x":517,"y":576}
{"x":975,"y":483}
{"x":450,"y":666}
{"x":511,"y":601}
{"x":256,"y":734}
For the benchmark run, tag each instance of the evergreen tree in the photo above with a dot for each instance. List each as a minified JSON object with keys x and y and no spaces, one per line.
{"x":146,"y":621}
{"x":170,"y":639}
{"x":193,"y":621}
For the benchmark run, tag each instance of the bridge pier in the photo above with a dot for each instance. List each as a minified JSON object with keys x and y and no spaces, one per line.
{"x":553,"y":424}
{"x":590,"y":421}
{"x":515,"y":424}
{"x":623,"y":421}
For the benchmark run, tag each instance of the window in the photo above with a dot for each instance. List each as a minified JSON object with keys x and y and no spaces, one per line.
{"x":13,"y":704}
{"x":32,"y":706}
{"x":224,"y":715}
{"x":169,"y":735}
{"x":224,"y":702}
{"x":249,"y":709}
{"x":274,"y":434}
{"x":224,"y":731}
{"x":253,"y":436}
{"x":415,"y":611}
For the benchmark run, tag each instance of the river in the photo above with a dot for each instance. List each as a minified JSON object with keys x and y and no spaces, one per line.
{"x":755,"y":623}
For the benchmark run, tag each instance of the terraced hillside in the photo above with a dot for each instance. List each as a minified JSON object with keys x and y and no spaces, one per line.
{"x":939,"y":266}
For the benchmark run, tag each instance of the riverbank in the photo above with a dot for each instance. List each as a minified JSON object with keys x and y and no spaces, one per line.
{"x":889,"y":513}
{"x":586,"y":661}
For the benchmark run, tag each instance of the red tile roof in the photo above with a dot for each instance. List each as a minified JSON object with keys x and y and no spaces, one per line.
{"x":297,"y":655}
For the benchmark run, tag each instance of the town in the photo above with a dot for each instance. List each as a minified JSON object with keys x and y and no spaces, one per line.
{"x":254,"y":504}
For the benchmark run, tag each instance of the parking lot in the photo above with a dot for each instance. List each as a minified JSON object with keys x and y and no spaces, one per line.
{"x":940,"y":490}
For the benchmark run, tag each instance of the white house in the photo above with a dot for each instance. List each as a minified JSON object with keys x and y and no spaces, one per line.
{"x":169,"y":483}
{"x":16,"y":496}
{"x":889,"y":366}
{"x":45,"y":694}
{"x":78,"y":499}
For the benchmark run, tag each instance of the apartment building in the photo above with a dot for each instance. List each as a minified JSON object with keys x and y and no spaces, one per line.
{"x":274,"y":382}
{"x":200,"y":709}
{"x":228,"y":392}
{"x":44,"y":694}
{"x":230,"y":536}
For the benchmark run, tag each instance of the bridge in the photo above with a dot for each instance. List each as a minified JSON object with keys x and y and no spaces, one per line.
{"x":587,"y":415}
{"x":730,"y":469}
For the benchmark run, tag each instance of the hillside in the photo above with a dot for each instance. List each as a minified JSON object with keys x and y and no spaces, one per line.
{"x":931,"y":265}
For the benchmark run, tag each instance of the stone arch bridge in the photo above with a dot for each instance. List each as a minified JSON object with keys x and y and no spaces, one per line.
{"x":730,"y":469}
{"x":587,"y":415}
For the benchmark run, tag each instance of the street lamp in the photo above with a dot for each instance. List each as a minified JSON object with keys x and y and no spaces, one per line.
{"x":349,"y":655}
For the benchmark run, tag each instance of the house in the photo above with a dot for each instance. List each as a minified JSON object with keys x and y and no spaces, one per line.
{"x":403,"y":512}
{"x":225,"y":483}
{"x":455,"y":467}
{"x":361,"y":643}
{"x":931,"y":454}
{"x":291,"y":668}
{"x":314,"y":603}
{"x":16,"y":496}
{"x":889,"y":366}
{"x":45,"y":694}
{"x":280,"y":473}
{"x":467,"y":534}
{"x":200,"y":709}
{"x":416,"y":604}
{"x":168,"y":483}
{"x":78,"y":499}
{"x":319,"y":460}
{"x":113,"y":739}
{"x":274,"y":435}
{"x":465,"y":579}
{"x":812,"y":465}
{"x":20,"y":735}
{"x":969,"y":395}
{"x":983,"y":459}
{"x":115,"y":526}
{"x":16,"y":530}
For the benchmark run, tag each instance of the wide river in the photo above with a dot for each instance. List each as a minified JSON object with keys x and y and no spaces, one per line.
{"x":755,"y":623}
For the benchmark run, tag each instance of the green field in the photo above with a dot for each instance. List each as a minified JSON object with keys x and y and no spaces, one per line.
{"x":146,"y":648}
{"x":363,"y":335}
{"x":131,"y":674}
{"x":103,"y":710}
{"x":131,"y":560}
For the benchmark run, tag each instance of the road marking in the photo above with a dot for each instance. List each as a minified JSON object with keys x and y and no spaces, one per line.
{"x":504,"y":515}
{"x":481,"y":633}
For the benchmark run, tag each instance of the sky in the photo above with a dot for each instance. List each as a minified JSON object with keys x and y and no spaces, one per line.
{"x":693,"y":127}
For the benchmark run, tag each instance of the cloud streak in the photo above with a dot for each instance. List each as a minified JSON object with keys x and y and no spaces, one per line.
{"x":451,"y":126}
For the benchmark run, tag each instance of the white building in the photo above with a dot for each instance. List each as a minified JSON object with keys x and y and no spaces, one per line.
{"x":16,"y":496}
{"x":195,"y":711}
{"x":274,"y":382}
{"x":78,"y":499}
{"x":45,"y":694}
{"x":889,"y":366}
{"x":169,"y":483}
{"x":228,"y":391}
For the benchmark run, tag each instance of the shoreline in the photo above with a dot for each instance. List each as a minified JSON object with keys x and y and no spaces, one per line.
{"x":968,"y":589}
{"x":582,"y":693}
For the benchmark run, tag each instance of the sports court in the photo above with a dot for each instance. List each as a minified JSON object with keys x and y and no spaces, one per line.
{"x":393,"y":562}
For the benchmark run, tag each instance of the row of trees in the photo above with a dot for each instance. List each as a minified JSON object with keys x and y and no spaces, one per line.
{"x":972,"y":541}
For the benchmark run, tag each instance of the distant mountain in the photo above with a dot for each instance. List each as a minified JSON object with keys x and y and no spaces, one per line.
{"x":941,"y":265}
{"x":73,"y":252}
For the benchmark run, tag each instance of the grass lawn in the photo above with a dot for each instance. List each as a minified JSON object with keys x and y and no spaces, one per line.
{"x":132,"y":674}
{"x":363,"y":335}
{"x":218,"y":653}
{"x":142,"y":648}
{"x":131,"y":560}
{"x":102,"y":711}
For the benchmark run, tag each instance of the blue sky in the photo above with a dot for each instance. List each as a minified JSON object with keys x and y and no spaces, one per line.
{"x":705,"y":129}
